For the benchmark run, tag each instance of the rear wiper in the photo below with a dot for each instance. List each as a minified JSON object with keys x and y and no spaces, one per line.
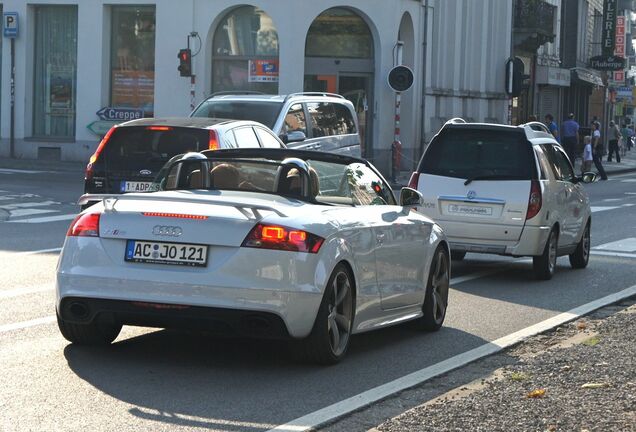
{"x":491,"y":177}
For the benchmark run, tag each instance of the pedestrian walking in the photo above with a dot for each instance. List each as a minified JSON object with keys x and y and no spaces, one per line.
{"x":570,"y":137}
{"x":586,"y":165}
{"x":552,"y":126}
{"x":626,"y":139}
{"x":614,"y":135}
{"x":597,"y":151}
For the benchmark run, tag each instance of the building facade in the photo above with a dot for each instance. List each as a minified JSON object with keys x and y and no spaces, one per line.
{"x":76,"y":57}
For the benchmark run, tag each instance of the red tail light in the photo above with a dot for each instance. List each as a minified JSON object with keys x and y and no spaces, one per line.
{"x":535,"y":200}
{"x":282,"y":238}
{"x":100,"y":148}
{"x":85,"y":225}
{"x":213,"y":143}
{"x":414,"y":180}
{"x":159,"y":128}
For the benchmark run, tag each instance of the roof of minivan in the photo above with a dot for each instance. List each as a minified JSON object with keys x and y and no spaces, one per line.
{"x":193,"y":122}
{"x":525,"y":129}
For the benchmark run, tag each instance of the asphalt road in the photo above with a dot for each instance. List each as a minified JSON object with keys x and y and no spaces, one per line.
{"x":163,"y":380}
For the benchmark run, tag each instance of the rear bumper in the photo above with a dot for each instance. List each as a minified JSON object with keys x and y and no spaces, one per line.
{"x":225,"y":322}
{"x":531,"y":243}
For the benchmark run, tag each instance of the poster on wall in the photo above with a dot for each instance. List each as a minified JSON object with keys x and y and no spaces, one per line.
{"x":59,"y":89}
{"x":263,"y":71}
{"x":133,"y":89}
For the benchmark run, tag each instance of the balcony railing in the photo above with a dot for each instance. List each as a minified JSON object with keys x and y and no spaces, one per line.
{"x":533,"y":23}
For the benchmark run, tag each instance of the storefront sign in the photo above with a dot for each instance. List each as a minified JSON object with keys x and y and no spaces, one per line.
{"x":553,"y":76}
{"x":263,"y":71}
{"x":10,"y":24}
{"x":619,"y":49}
{"x":134,"y":89}
{"x":120,"y":114}
{"x":607,"y":63}
{"x":624,"y":93}
{"x":618,"y":77}
{"x":608,"y":38}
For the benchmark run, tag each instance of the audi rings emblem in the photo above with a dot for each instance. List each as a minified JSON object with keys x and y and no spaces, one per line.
{"x":167,"y":231}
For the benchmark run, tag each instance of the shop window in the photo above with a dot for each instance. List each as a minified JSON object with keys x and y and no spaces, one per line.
{"x":132,"y":59}
{"x":55,"y":71}
{"x":245,"y":52}
{"x":339,"y":32}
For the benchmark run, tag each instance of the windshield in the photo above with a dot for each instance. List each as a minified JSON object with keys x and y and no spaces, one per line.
{"x":324,"y":182}
{"x":260,"y":111}
{"x":478,"y":154}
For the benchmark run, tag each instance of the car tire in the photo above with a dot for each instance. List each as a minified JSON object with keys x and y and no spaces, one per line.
{"x":436,"y":297}
{"x":458,"y":255}
{"x":544,"y":265}
{"x":581,"y":255}
{"x":94,"y":333}
{"x":329,"y":339}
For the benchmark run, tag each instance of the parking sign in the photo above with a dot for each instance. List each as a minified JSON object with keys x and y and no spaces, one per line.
{"x":10,"y":24}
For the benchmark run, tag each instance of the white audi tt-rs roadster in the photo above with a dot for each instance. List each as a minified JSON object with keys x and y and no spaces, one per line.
{"x":267,"y":243}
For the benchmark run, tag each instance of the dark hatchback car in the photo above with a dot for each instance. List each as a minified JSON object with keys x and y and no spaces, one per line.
{"x":132,"y":153}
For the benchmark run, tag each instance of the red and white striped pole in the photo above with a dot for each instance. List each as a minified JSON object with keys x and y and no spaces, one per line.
{"x":396,"y":147}
{"x":192,"y":92}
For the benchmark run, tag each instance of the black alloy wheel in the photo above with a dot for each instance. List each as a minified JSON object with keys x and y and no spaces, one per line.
{"x":581,"y":255}
{"x":436,"y":297}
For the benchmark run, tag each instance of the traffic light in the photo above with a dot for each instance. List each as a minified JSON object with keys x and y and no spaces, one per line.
{"x":514,"y":76}
{"x":185,"y":62}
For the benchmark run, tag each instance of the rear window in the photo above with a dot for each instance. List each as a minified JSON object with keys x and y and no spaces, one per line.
{"x":484,"y":154}
{"x":129,"y":147}
{"x":262,"y":112}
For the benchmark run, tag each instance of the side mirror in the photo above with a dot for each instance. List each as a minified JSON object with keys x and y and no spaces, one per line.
{"x":588,"y":177}
{"x":295,"y":136}
{"x":410,"y":198}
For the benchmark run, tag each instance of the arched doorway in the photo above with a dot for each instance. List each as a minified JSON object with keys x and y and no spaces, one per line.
{"x":245,"y":52}
{"x":339,"y":59}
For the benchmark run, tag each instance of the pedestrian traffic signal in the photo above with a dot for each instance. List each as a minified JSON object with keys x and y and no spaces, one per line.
{"x":185,"y":62}
{"x":514,"y":76}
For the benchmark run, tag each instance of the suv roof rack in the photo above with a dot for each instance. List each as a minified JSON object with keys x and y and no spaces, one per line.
{"x":314,"y":94}
{"x":537,"y":127}
{"x":236,"y":92}
{"x":455,"y":120}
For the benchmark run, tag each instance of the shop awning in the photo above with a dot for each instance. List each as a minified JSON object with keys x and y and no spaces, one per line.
{"x":587,"y":76}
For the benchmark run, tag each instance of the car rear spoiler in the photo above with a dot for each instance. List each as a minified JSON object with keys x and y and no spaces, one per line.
{"x":111,"y":199}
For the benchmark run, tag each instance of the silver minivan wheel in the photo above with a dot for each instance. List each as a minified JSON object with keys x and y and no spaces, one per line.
{"x":544,"y":265}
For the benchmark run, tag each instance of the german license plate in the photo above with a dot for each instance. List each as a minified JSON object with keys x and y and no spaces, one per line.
{"x":150,"y":252}
{"x":469,"y":210}
{"x":134,"y":186}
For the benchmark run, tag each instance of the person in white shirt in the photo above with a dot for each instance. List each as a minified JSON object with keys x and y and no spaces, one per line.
{"x":587,"y":155}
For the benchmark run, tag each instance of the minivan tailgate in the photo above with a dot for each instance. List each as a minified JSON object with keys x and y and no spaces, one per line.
{"x":481,"y":210}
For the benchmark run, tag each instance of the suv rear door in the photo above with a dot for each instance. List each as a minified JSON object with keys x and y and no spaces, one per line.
{"x":133,"y":156}
{"x":476,"y":182}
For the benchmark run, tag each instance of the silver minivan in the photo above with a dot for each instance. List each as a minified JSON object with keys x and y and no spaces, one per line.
{"x":508,"y":190}
{"x":307,"y":121}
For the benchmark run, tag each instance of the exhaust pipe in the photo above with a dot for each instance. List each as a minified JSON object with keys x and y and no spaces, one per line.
{"x":78,"y":310}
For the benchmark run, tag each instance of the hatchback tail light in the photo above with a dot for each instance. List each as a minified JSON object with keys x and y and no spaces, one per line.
{"x":213,"y":143}
{"x":282,"y":238}
{"x":534,"y":200}
{"x":414,"y":180}
{"x":85,"y":225}
{"x":89,"y":168}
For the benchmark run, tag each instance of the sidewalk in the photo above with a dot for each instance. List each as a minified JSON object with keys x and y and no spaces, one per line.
{"x":627,"y":164}
{"x":579,"y":377}
{"x":41,"y":165}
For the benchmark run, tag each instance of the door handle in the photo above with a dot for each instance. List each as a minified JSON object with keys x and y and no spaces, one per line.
{"x":380,"y":237}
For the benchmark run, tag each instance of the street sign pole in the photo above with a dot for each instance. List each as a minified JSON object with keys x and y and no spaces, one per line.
{"x":12,"y":126}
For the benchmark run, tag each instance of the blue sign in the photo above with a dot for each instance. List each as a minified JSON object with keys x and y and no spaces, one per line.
{"x":120,"y":114}
{"x":10,"y":24}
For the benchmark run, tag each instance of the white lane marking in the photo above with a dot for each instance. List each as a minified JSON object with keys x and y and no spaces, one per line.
{"x":17,"y":292}
{"x":628,"y":181}
{"x":45,"y":219}
{"x":26,"y":324}
{"x":339,"y":409}
{"x":623,"y":245}
{"x":630,"y":193}
{"x":28,"y":205}
{"x":29,"y":212}
{"x":596,"y":209}
{"x":33,"y":252}
{"x":614,"y":254}
{"x":612,"y":199}
{"x":19,"y":171}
